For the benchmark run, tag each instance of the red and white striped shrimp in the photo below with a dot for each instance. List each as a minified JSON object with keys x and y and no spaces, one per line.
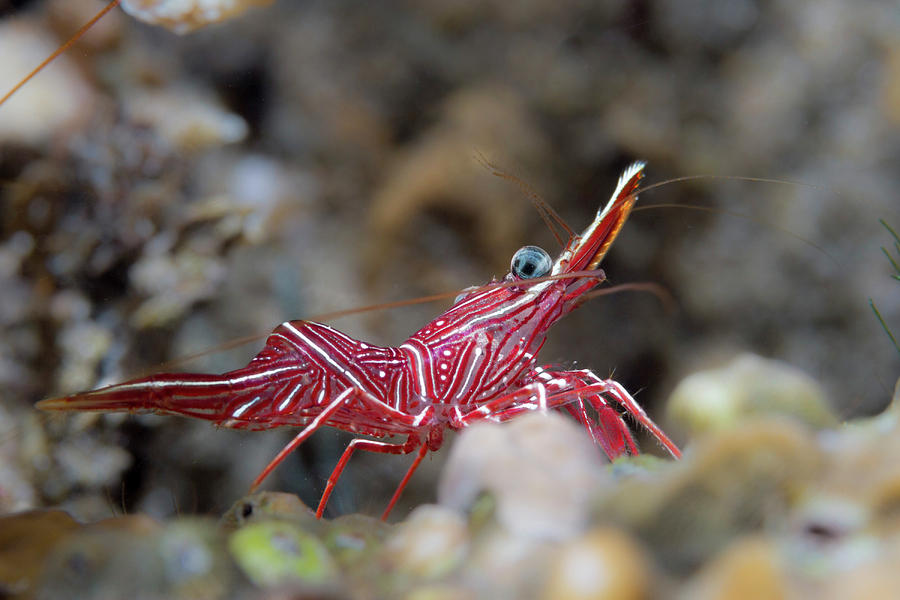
{"x":477,"y":361}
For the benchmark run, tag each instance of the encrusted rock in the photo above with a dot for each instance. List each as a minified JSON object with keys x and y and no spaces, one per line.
{"x":748,"y":386}
{"x":604,"y":564}
{"x":541,"y":469}
{"x":430,"y":543}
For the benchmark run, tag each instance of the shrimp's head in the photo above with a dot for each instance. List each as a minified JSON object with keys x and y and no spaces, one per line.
{"x":517,"y":311}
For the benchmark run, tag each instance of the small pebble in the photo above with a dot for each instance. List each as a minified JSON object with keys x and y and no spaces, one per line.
{"x":605,"y":564}
{"x":277,"y":553}
{"x":542,"y":470}
{"x":719,"y":399}
{"x":749,"y":570}
{"x":430,"y":543}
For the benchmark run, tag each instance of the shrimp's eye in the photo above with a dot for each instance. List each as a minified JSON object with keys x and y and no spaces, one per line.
{"x":529,"y":262}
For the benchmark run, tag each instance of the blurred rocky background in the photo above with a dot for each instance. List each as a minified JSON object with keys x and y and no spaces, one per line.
{"x":163,"y":194}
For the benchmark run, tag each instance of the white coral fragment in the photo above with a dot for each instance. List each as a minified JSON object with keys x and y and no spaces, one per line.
{"x":184,"y":16}
{"x":541,"y":469}
{"x":55,"y":101}
{"x":186,"y":119}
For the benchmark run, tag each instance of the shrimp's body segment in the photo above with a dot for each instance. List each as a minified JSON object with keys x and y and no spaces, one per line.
{"x":477,"y":361}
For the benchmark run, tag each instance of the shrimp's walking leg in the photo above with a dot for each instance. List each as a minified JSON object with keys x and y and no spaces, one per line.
{"x":370,"y":403}
{"x":320,"y":420}
{"x":530,"y":397}
{"x":342,"y":399}
{"x":610,"y":432}
{"x":572,"y":391}
{"x":423,"y":450}
{"x":615,"y":391}
{"x":410,"y":445}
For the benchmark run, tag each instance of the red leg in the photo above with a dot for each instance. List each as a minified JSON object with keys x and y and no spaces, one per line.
{"x":610,"y":432}
{"x":423,"y":450}
{"x":320,"y":420}
{"x":350,"y":394}
{"x":586,"y":386}
{"x":527,"y":398}
{"x":540,"y":394}
{"x":411,"y":444}
{"x":562,"y":389}
{"x":620,"y":395}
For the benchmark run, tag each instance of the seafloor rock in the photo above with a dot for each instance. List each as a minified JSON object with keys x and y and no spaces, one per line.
{"x":751,"y":569}
{"x":264,"y":506}
{"x":748,"y":386}
{"x":112,"y":558}
{"x":541,"y":470}
{"x":58,"y":99}
{"x":430,"y":543}
{"x":281,"y":554}
{"x":604,"y":564}
{"x":733,"y":483}
{"x":766,"y":509}
{"x":502,"y":563}
{"x":185,"y":118}
{"x":875,"y":578}
{"x":26,"y":539}
{"x":194,"y":561}
{"x":355,"y":539}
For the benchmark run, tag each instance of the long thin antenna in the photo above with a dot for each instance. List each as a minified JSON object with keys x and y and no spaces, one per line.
{"x":729,"y":178}
{"x":660,"y":291}
{"x":550,"y":217}
{"x":237,"y":342}
{"x":60,"y":50}
{"x":731,"y":213}
{"x":248,"y":339}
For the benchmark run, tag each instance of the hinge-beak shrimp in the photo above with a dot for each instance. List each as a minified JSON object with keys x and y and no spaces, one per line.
{"x":475,"y":362}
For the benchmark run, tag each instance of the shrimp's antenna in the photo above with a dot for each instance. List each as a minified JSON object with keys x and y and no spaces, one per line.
{"x":728,"y":178}
{"x":60,"y":50}
{"x":331,"y":316}
{"x":550,"y":217}
{"x":740,"y":215}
